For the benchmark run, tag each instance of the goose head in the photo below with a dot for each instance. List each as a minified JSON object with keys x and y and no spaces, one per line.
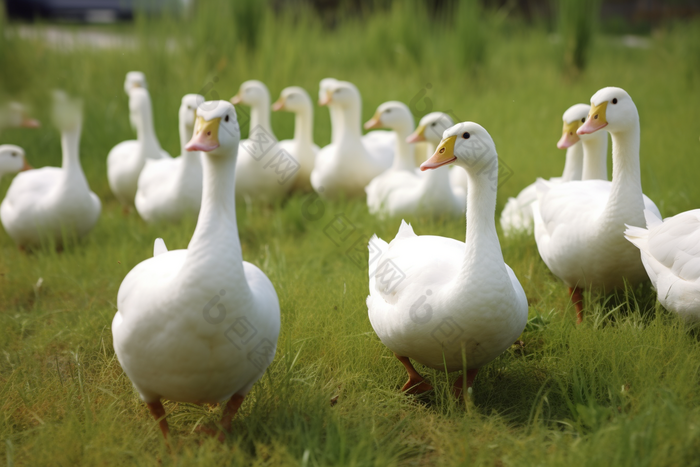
{"x":292,"y":99}
{"x":430,"y":128}
{"x":342,"y":94}
{"x":467,"y":145}
{"x":12,"y":160}
{"x":67,"y":111}
{"x":134,"y":79}
{"x":216,"y":129}
{"x":252,"y":93}
{"x":612,"y":108}
{"x":187,"y":112}
{"x":14,"y":115}
{"x":324,"y":88}
{"x":573,"y":118}
{"x":394,"y":115}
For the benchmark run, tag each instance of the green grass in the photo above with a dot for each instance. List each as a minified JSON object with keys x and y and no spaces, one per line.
{"x":621,"y":389}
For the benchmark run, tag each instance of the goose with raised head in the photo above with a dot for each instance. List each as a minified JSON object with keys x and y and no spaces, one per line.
{"x":265,"y":172}
{"x":402,"y":174}
{"x":170,"y":189}
{"x":200,"y":325}
{"x":448,"y":304}
{"x":345,"y":166}
{"x":12,"y":160}
{"x":517,"y":213}
{"x":580,"y":225}
{"x":52,"y":203}
{"x":126,"y":160}
{"x":302,"y":148}
{"x":670,"y":252}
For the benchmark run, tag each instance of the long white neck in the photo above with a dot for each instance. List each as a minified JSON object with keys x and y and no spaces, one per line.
{"x":337,"y":123}
{"x":303,"y":125}
{"x":595,"y":156}
{"x":404,"y":153}
{"x":260,"y":115}
{"x":437,"y":181}
{"x":146,"y":134}
{"x":350,"y":120}
{"x":72,"y":175}
{"x":626,"y":203}
{"x":573,"y":167}
{"x":215,"y":249}
{"x":483,"y":255}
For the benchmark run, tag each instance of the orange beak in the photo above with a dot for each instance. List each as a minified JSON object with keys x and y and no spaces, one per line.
{"x":596,"y":119}
{"x":30,"y":123}
{"x":205,"y":136}
{"x":235,"y":100}
{"x":325,"y":100}
{"x":278,"y":105}
{"x":26,"y":166}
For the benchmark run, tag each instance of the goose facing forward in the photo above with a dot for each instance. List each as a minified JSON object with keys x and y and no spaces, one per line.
{"x":200,"y":325}
{"x":437,"y":300}
{"x":51,"y":202}
{"x":579,"y":226}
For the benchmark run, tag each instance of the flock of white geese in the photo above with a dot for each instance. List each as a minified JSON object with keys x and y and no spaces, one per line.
{"x":200,"y":325}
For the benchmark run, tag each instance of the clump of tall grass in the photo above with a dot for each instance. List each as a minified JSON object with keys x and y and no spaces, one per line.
{"x":576,"y":22}
{"x":471,"y":32}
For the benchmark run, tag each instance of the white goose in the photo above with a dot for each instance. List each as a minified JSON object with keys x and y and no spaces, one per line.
{"x":265,"y":172}
{"x":441,"y":302}
{"x":50,"y":203}
{"x":126,"y":159}
{"x":169,"y":189}
{"x":346,"y":166}
{"x":200,"y":325}
{"x":517,"y":213}
{"x":301,"y":148}
{"x":14,"y":115}
{"x":670,"y":250}
{"x":12,"y":160}
{"x":402,"y":173}
{"x":579,"y":225}
{"x":380,"y":143}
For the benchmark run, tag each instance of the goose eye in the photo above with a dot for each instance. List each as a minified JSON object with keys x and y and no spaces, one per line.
{"x":14,"y":154}
{"x":226,"y":118}
{"x":433,"y":124}
{"x":615,"y":101}
{"x":583,"y":120}
{"x":466,"y":135}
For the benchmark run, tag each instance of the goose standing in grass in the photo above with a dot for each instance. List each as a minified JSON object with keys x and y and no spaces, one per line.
{"x":51,"y":203}
{"x":200,"y":325}
{"x":517,"y":213}
{"x":265,"y":172}
{"x":580,"y":225}
{"x":670,"y":252}
{"x":347,"y":166}
{"x":169,"y":189}
{"x":14,"y":115}
{"x":126,"y":160}
{"x":301,"y":148}
{"x":447,"y":304}
{"x":12,"y":160}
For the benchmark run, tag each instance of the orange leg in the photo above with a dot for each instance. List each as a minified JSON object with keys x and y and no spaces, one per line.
{"x":576,"y":295}
{"x":459,"y":383}
{"x":230,"y":411}
{"x":158,"y":412}
{"x":416,"y":384}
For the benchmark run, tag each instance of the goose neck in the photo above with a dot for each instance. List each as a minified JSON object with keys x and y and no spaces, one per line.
{"x":260,"y":116}
{"x":145,"y":132}
{"x":404,"y":153}
{"x":626,"y":202}
{"x":215,"y":240}
{"x":595,"y":157}
{"x":573,"y":164}
{"x":303,"y":126}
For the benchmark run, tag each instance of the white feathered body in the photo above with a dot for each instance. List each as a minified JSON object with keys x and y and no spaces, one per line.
{"x":670,"y":251}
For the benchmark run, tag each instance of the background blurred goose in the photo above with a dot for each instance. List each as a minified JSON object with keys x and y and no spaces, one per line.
{"x":579,"y":225}
{"x":462,"y":288}
{"x":178,"y":331}
{"x":670,"y":251}
{"x":47,"y":203}
{"x":12,"y":160}
{"x":14,"y":115}
{"x":264,"y":172}
{"x":517,"y":213}
{"x":126,"y":160}
{"x":169,"y":189}
{"x":301,"y":148}
{"x":346,"y":166}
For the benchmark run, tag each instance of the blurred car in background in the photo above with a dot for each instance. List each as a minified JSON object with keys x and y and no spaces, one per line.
{"x":90,"y":11}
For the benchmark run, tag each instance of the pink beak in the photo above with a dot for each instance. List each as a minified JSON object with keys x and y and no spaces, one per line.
{"x":201,"y":142}
{"x":591,"y":126}
{"x":566,"y":141}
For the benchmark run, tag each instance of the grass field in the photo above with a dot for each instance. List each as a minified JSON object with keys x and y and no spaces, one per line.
{"x":620,"y":389}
